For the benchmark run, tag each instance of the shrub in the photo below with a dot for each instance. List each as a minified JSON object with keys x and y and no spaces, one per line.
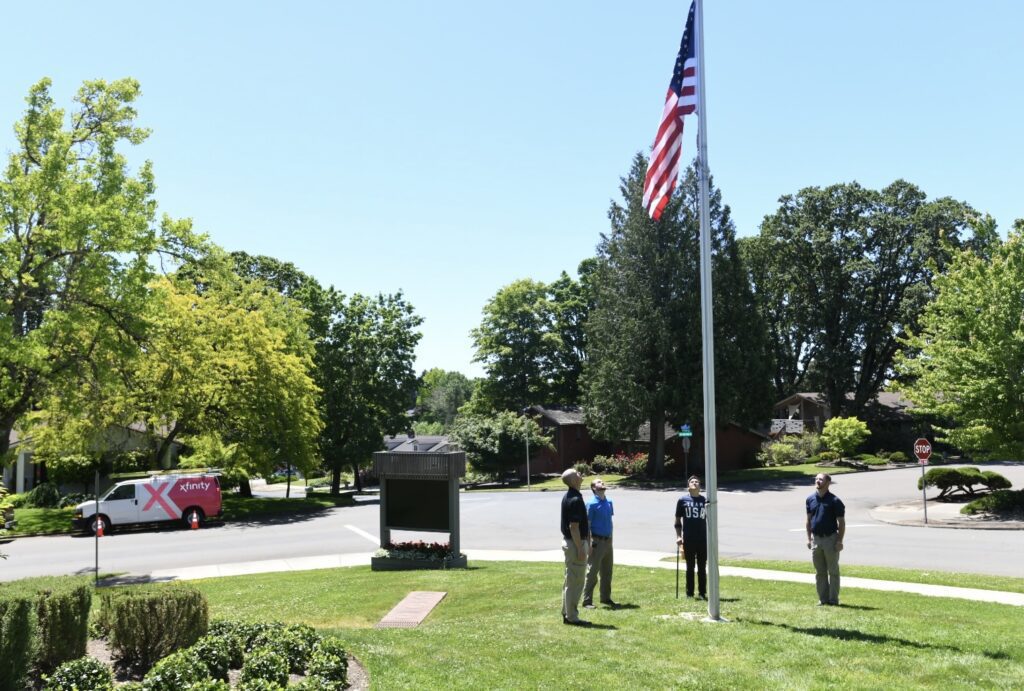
{"x":807,"y":445}
{"x":216,"y":652}
{"x":83,"y":673}
{"x":16,"y":624}
{"x":45,"y":495}
{"x":994,"y":480}
{"x":317,"y":684}
{"x":774,"y":453}
{"x":62,"y":620}
{"x":329,"y":661}
{"x":259,"y":685}
{"x":175,"y":672}
{"x":844,"y":434}
{"x":267,"y":664}
{"x":74,"y":499}
{"x":229,"y":632}
{"x":871,"y":459}
{"x":208,"y":685}
{"x":291,"y":642}
{"x":951,"y":480}
{"x":898,"y":457}
{"x":621,"y":464}
{"x":17,"y":500}
{"x":148,"y":623}
{"x":1002,"y":501}
{"x":828,"y":457}
{"x":583,"y":468}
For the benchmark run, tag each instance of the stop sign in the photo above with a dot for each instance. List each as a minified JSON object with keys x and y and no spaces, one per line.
{"x":923,"y":450}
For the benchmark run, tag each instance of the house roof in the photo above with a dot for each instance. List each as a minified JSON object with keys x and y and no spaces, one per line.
{"x":402,"y":443}
{"x":560,"y":415}
{"x":885,"y":403}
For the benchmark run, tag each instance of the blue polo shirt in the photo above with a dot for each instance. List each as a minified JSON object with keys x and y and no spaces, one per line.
{"x":599,"y":513}
{"x":825,"y":513}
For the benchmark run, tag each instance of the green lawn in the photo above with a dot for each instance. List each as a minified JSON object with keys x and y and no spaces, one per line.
{"x":500,"y":627}
{"x":784,"y":472}
{"x":236,"y":510}
{"x":42,"y":521}
{"x":958,"y":580}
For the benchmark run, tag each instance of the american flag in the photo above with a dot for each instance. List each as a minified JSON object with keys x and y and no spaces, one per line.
{"x":681,"y":100}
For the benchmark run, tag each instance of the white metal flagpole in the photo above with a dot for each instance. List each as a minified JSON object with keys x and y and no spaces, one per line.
{"x":707,"y":328}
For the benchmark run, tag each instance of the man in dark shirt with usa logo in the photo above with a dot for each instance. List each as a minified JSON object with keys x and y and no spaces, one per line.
{"x":826,"y":525}
{"x":692,"y":536}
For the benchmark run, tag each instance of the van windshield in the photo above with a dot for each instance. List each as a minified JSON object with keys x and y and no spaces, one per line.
{"x":119,"y":492}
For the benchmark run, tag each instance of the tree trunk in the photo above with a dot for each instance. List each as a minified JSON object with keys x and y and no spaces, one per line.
{"x":657,"y":441}
{"x":288,"y":482}
{"x":335,"y":480}
{"x":357,"y":479}
{"x":244,"y":488}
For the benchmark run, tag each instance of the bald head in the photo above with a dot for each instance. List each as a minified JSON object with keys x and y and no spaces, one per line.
{"x":572,"y":478}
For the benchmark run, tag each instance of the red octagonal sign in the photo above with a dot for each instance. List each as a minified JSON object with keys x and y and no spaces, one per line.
{"x":923,"y":450}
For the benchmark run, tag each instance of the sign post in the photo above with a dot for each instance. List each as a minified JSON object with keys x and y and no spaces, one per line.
{"x":923,"y":451}
{"x":685,"y":434}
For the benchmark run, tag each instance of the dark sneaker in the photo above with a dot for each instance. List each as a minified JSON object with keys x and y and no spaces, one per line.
{"x":610,"y":603}
{"x":575,"y":622}
{"x":589,"y":605}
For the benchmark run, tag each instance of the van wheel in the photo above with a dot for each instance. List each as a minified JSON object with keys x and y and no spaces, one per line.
{"x":187,"y":516}
{"x":106,"y":524}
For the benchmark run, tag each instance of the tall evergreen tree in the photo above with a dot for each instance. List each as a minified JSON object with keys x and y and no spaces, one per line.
{"x":644,"y":333}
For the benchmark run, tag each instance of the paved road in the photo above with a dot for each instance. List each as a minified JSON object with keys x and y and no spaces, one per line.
{"x":764,"y":522}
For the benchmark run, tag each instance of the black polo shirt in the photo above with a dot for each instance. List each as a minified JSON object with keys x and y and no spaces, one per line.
{"x":825,"y":513}
{"x":574,"y":510}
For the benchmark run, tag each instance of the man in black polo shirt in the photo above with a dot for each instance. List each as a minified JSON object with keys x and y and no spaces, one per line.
{"x":826,"y":525}
{"x":575,"y":541}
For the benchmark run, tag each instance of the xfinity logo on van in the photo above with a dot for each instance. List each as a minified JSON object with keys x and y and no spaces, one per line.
{"x":194,"y":486}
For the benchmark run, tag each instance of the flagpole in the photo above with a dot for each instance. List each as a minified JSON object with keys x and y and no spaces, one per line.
{"x":707,"y":329}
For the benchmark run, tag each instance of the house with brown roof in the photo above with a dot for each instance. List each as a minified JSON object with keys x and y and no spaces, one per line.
{"x":888,"y":417}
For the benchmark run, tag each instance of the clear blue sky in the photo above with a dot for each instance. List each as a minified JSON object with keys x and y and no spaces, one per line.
{"x":446,"y":149}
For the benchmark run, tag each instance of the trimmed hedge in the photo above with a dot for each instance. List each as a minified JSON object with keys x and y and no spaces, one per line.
{"x":329,"y":662}
{"x":148,"y":623}
{"x":951,"y":480}
{"x":83,"y":673}
{"x":1002,"y":501}
{"x":216,"y":652}
{"x":994,"y":480}
{"x":60,"y":614}
{"x":16,"y":628}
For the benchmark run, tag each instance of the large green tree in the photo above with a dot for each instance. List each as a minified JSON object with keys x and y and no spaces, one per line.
{"x":531,"y":342}
{"x":644,"y":332}
{"x":841,"y":274}
{"x":77,"y":236}
{"x":222,"y":357}
{"x":966,"y":357}
{"x":440,"y":395}
{"x":365,"y":365}
{"x":364,"y":354}
{"x":496,"y":444}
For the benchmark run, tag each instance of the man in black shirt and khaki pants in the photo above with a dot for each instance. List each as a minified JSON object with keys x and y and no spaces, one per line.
{"x":575,"y":545}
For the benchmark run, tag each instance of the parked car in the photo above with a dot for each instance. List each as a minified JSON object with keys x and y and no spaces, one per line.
{"x":177,"y":497}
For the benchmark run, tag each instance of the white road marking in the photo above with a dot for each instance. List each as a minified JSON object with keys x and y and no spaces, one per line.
{"x":362,"y":533}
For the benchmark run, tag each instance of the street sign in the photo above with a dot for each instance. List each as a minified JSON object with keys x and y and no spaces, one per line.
{"x":686,"y":445}
{"x":685,"y":431}
{"x":923,"y":450}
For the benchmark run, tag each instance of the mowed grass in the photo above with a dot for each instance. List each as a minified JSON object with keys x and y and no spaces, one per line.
{"x":500,"y":628}
{"x":957,"y":580}
{"x":42,"y":521}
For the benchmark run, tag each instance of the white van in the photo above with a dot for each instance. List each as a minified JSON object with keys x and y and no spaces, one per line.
{"x":172,"y":497}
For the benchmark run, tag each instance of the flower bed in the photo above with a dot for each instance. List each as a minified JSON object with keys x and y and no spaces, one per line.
{"x":416,"y":555}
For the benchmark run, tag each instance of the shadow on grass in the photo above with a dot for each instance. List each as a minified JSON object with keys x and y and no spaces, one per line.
{"x":855,"y":635}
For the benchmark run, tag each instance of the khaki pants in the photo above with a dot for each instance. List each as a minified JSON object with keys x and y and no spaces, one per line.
{"x":826,"y":568}
{"x":575,"y":572}
{"x":600,"y":564}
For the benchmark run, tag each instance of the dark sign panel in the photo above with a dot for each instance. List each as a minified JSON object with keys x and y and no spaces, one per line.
{"x":417,"y":504}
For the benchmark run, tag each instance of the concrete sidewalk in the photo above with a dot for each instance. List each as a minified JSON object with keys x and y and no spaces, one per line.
{"x":625,"y":557}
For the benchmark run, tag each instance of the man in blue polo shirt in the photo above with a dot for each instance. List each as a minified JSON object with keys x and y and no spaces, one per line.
{"x":599,"y":514}
{"x":826,"y":525}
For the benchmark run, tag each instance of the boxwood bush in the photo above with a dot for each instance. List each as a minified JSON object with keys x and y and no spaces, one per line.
{"x":216,"y":652}
{"x":1001,"y":502}
{"x":266,"y":664}
{"x":952,"y":480}
{"x":994,"y":480}
{"x":175,"y":672}
{"x":329,"y":661}
{"x":77,"y":675}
